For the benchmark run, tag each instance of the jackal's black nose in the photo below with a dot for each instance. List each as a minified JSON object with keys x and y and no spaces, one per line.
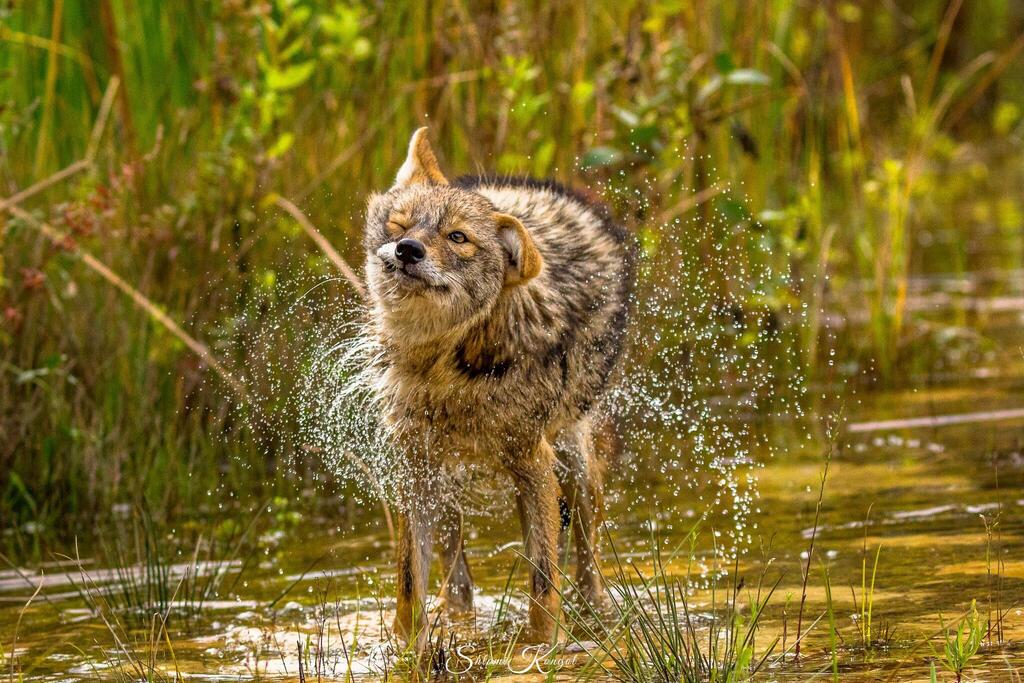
{"x":410,"y":251}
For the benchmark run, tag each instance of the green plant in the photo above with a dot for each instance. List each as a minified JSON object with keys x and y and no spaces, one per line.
{"x":654,"y":634}
{"x":867,"y":599}
{"x":147,"y":578}
{"x":963,"y":642}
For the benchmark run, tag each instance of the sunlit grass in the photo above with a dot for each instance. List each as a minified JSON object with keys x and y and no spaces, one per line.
{"x":652,"y":631}
{"x":153,"y":574}
{"x":827,"y":161}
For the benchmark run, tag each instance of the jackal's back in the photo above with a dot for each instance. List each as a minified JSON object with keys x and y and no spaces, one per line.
{"x":568,"y":324}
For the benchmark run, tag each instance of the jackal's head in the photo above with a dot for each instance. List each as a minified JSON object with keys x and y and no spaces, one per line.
{"x":439,"y":256}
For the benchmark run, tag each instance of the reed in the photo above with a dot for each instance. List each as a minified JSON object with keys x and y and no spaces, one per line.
{"x":833,"y":631}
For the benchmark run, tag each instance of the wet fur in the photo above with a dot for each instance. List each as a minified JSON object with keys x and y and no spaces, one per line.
{"x":485,"y":358}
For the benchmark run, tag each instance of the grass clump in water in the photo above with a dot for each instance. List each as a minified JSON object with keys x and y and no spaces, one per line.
{"x":962,"y":643}
{"x":655,"y":634}
{"x":150,"y":574}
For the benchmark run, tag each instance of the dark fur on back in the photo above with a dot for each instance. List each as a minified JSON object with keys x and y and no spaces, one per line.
{"x":616,"y":231}
{"x":577,"y":296}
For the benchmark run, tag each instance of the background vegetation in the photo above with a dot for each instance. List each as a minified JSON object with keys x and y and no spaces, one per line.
{"x":850,"y":142}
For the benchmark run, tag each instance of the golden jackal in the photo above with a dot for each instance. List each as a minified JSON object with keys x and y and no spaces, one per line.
{"x":500,"y":306}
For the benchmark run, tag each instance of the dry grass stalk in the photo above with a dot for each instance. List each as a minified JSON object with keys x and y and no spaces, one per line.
{"x":325,"y":246}
{"x":81,"y":164}
{"x":140,"y":299}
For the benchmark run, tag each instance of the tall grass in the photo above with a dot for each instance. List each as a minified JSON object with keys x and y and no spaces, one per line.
{"x":834,"y":137}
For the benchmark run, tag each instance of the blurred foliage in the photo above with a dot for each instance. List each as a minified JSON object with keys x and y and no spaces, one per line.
{"x":849,"y":144}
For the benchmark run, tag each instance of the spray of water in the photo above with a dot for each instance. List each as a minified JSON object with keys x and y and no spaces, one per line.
{"x":715,"y":356}
{"x":712,"y":356}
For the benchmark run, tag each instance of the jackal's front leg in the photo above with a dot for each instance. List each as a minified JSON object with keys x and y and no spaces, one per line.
{"x":537,"y":500}
{"x":413,"y":559}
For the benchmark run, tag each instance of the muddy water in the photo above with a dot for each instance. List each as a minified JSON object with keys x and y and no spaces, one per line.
{"x":932,"y":475}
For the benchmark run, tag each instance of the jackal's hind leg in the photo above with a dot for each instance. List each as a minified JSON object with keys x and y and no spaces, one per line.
{"x":456,"y":579}
{"x":537,"y":501}
{"x":583,"y":492}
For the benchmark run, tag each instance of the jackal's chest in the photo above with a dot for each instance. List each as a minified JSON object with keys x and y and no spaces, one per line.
{"x":447,"y":416}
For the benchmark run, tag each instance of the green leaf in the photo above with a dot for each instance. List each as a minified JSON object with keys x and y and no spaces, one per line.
{"x":543,"y":156}
{"x":17,"y":486}
{"x":293,"y":49}
{"x":361,"y":48}
{"x":268,"y":279}
{"x":291,"y":76}
{"x":582,"y":92}
{"x":1005,"y":118}
{"x":283,"y":144}
{"x":733,"y":209}
{"x":724,"y":63}
{"x":643,"y":136}
{"x":597,"y":157}
{"x":649,"y":241}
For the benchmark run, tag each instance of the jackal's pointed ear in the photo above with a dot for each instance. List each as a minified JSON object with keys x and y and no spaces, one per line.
{"x":420,"y":164}
{"x":523,"y":258}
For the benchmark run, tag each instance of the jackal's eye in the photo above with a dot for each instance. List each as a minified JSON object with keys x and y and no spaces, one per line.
{"x":398,"y":222}
{"x":457,"y":237}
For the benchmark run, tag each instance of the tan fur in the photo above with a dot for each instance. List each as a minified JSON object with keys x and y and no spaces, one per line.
{"x":497,"y":342}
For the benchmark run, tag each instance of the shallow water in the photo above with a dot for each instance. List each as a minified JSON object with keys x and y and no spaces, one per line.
{"x":933,"y":475}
